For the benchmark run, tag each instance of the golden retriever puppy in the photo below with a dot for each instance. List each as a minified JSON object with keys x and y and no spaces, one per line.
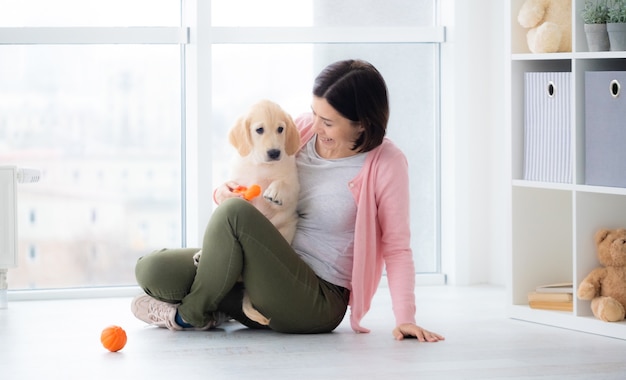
{"x":267,"y":140}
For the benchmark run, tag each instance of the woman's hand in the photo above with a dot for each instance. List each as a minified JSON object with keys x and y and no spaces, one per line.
{"x":225,"y":191}
{"x":411,"y":330}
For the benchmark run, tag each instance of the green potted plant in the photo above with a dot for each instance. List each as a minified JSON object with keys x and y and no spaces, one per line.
{"x":595,"y":16}
{"x":616,"y":25}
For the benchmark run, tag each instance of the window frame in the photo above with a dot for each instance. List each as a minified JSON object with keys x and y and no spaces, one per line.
{"x":197,"y":16}
{"x":196,"y":36}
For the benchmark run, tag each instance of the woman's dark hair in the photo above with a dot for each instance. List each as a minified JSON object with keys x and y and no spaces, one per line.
{"x":357,"y":91}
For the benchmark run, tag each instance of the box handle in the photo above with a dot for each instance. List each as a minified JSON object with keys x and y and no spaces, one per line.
{"x":550,"y":89}
{"x":615,"y":88}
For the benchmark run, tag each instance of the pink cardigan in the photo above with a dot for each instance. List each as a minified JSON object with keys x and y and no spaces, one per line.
{"x":382,"y":231}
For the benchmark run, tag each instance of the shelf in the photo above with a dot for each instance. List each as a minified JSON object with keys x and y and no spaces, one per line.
{"x":540,"y":57}
{"x":569,"y":187}
{"x":566,"y":320}
{"x":552,"y":224}
{"x":543,"y":185}
{"x":575,"y":55}
{"x":601,"y":189}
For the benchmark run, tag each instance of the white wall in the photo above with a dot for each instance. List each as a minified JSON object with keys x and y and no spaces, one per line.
{"x":475,"y":158}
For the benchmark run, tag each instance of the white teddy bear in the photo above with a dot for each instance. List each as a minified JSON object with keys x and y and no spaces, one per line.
{"x":550,"y":23}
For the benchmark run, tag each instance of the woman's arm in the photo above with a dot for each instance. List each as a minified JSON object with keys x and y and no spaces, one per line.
{"x":393,"y":198}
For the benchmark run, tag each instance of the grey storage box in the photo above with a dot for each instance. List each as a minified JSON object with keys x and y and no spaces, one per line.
{"x":605,"y":128}
{"x":547,"y":127}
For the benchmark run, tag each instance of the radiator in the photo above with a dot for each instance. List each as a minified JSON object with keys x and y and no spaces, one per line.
{"x":10,"y":176}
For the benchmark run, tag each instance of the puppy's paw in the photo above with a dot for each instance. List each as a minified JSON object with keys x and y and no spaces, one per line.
{"x":253,"y":313}
{"x":196,"y":258}
{"x":273,"y":194}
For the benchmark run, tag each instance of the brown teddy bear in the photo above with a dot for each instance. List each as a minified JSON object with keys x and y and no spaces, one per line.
{"x":549,"y":24}
{"x":605,"y":286}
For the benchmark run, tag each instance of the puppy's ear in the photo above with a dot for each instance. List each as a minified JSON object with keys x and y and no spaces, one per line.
{"x":239,"y":136}
{"x":292,"y":136}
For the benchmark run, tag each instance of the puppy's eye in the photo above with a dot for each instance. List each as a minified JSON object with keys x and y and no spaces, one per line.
{"x":259,"y":130}
{"x":280,"y":129}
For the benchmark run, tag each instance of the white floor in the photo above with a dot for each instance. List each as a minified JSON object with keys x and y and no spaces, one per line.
{"x":61,"y":340}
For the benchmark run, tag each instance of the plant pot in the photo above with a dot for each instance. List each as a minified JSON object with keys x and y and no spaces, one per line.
{"x":617,"y":36}
{"x":597,"y":37}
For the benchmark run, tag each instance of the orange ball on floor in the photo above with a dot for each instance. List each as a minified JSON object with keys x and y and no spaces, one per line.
{"x":113,"y":338}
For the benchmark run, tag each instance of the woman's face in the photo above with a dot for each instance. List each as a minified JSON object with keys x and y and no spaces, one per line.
{"x":335,"y":134}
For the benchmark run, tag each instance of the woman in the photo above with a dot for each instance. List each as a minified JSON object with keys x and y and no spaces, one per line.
{"x":353,"y":220}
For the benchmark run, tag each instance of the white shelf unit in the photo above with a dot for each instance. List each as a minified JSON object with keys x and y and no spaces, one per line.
{"x":552,"y":224}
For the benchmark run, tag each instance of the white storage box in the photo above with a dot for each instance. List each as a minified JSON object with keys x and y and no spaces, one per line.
{"x":605,"y":128}
{"x":547,"y":127}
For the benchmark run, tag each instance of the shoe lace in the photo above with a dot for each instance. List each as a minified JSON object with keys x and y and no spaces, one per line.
{"x":160,"y":313}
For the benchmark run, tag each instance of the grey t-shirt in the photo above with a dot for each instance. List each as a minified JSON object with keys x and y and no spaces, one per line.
{"x":327,"y":213}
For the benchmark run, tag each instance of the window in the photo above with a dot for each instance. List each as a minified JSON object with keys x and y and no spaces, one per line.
{"x":251,"y":68}
{"x":77,"y":13}
{"x":100,"y":121}
{"x":117,"y":118}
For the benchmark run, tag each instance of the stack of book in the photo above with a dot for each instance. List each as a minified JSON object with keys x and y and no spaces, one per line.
{"x":553,"y":297}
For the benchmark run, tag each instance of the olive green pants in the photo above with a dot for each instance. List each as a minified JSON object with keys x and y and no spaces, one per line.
{"x":241,"y":251}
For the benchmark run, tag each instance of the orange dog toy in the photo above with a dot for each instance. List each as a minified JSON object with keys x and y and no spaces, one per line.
{"x":248,"y":192}
{"x":113,"y":338}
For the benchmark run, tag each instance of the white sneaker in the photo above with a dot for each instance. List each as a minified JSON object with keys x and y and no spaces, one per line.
{"x":155,"y":312}
{"x":163,"y":314}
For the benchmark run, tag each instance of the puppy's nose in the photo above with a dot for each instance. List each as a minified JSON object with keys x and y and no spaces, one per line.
{"x":273,"y":154}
